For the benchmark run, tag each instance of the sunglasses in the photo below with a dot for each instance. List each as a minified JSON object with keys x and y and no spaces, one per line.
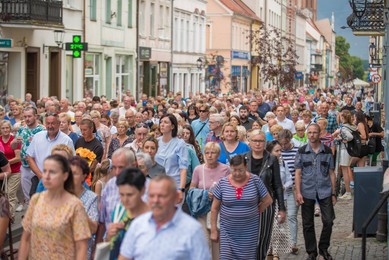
{"x":51,"y":114}
{"x":203,"y":111}
{"x":140,"y":125}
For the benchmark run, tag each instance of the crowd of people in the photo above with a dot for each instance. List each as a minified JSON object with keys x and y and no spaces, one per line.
{"x":202,"y":177}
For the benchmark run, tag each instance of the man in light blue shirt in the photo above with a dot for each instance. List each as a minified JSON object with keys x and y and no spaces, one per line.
{"x":166,"y":232}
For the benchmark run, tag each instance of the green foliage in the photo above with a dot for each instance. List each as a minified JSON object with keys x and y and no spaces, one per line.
{"x":351,"y":67}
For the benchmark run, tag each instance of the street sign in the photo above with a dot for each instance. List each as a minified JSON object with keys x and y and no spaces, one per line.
{"x":5,"y":43}
{"x":76,"y":46}
{"x":376,"y":78}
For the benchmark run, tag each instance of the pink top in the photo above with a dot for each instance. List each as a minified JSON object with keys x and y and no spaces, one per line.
{"x":210,"y":175}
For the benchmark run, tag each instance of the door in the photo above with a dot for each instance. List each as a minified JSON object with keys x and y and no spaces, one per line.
{"x":32,"y":73}
{"x":55,"y":73}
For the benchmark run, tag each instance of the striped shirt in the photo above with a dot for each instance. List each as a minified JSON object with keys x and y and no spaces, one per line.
{"x":289,"y":156}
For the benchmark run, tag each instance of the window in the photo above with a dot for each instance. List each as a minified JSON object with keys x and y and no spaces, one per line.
{"x":130,"y":25}
{"x":168,"y":18}
{"x":92,"y":72}
{"x":161,"y":27}
{"x":152,"y":18}
{"x":119,"y":13}
{"x":122,"y":75}
{"x":142,"y":9}
{"x":108,"y":11}
{"x":92,"y":10}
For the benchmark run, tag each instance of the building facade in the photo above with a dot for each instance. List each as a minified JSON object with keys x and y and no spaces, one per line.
{"x":155,"y":46}
{"x":110,"y":62}
{"x":188,"y":46}
{"x":231,"y":21}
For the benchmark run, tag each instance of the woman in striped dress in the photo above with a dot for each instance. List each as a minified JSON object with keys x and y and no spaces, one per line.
{"x":240,"y":197}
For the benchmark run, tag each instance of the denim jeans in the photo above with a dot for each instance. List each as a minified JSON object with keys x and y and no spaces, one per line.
{"x":327,"y":217}
{"x":292,"y":210}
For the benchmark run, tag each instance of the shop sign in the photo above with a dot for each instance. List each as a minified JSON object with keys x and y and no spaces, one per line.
{"x":5,"y":43}
{"x":144,"y":53}
{"x":240,"y":55}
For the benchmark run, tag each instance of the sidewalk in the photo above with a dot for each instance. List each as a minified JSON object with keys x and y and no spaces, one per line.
{"x":343,"y":244}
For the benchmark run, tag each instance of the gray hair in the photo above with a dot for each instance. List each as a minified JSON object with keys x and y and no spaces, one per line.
{"x":128,"y":153}
{"x":218,"y":118}
{"x":146,"y":159}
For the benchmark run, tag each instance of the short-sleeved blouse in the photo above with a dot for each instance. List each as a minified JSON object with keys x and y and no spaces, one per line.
{"x":55,"y":229}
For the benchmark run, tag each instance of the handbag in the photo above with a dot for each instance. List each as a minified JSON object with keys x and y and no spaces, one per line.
{"x":103,"y":249}
{"x":209,"y":213}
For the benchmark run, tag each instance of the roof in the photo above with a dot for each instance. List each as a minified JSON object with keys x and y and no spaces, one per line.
{"x":238,"y":7}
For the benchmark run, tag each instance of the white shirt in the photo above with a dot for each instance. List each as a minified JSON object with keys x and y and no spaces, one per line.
{"x":287,"y":124}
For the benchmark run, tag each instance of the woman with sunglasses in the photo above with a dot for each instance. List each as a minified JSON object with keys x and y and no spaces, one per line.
{"x":121,"y":139}
{"x":261,"y":163}
{"x":172,"y":152}
{"x":280,"y":242}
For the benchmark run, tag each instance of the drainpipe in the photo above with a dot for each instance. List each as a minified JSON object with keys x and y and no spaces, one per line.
{"x":137,"y":88}
{"x":83,"y":58}
{"x":171,"y":47}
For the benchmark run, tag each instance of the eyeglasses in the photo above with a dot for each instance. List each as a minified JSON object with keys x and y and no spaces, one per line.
{"x":140,"y":125}
{"x":257,"y":141}
{"x":203,"y":111}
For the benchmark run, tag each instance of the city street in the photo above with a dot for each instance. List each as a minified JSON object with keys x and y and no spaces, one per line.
{"x":343,"y":244}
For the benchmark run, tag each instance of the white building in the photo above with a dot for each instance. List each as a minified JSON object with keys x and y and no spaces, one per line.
{"x":188,"y":45}
{"x":154,"y":46}
{"x":34,"y":62}
{"x":110,"y":63}
{"x":37,"y":64}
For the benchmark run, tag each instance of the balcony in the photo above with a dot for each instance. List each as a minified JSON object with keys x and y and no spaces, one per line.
{"x":40,"y":12}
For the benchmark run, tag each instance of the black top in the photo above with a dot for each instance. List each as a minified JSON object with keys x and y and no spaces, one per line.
{"x":3,"y":160}
{"x":94,"y":146}
{"x":376,"y":128}
{"x":256,"y":165}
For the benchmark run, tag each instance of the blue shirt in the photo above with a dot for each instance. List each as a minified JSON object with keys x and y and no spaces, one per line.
{"x":201,"y":136}
{"x":173,"y":156}
{"x":315,"y":169}
{"x":240,"y":149}
{"x":144,"y":241}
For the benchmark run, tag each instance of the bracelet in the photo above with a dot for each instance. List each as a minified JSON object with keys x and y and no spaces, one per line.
{"x":333,"y":195}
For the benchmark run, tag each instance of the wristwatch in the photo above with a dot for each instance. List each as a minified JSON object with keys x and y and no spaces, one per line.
{"x":181,"y":189}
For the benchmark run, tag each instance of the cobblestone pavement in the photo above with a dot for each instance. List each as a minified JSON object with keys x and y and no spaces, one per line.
{"x":343,"y":244}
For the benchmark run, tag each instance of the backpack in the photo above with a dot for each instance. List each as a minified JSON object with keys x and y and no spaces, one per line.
{"x":354,"y":146}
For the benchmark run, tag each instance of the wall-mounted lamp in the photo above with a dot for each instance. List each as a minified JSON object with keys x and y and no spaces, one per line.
{"x":359,"y":7}
{"x":58,"y":38}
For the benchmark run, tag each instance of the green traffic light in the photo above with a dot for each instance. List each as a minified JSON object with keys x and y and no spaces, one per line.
{"x":76,"y":38}
{"x":76,"y":54}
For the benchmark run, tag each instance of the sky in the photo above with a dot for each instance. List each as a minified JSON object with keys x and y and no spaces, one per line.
{"x":359,"y":45}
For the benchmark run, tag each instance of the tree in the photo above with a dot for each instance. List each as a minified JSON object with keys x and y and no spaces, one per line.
{"x":276,"y":56}
{"x":351,"y":67}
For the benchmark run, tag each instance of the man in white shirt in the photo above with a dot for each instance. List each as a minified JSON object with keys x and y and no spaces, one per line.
{"x":283,"y":121}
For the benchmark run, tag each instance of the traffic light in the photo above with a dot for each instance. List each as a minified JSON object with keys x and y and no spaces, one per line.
{"x":76,"y":46}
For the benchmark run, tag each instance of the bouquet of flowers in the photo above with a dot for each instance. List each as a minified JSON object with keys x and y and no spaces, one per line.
{"x":87,"y":154}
